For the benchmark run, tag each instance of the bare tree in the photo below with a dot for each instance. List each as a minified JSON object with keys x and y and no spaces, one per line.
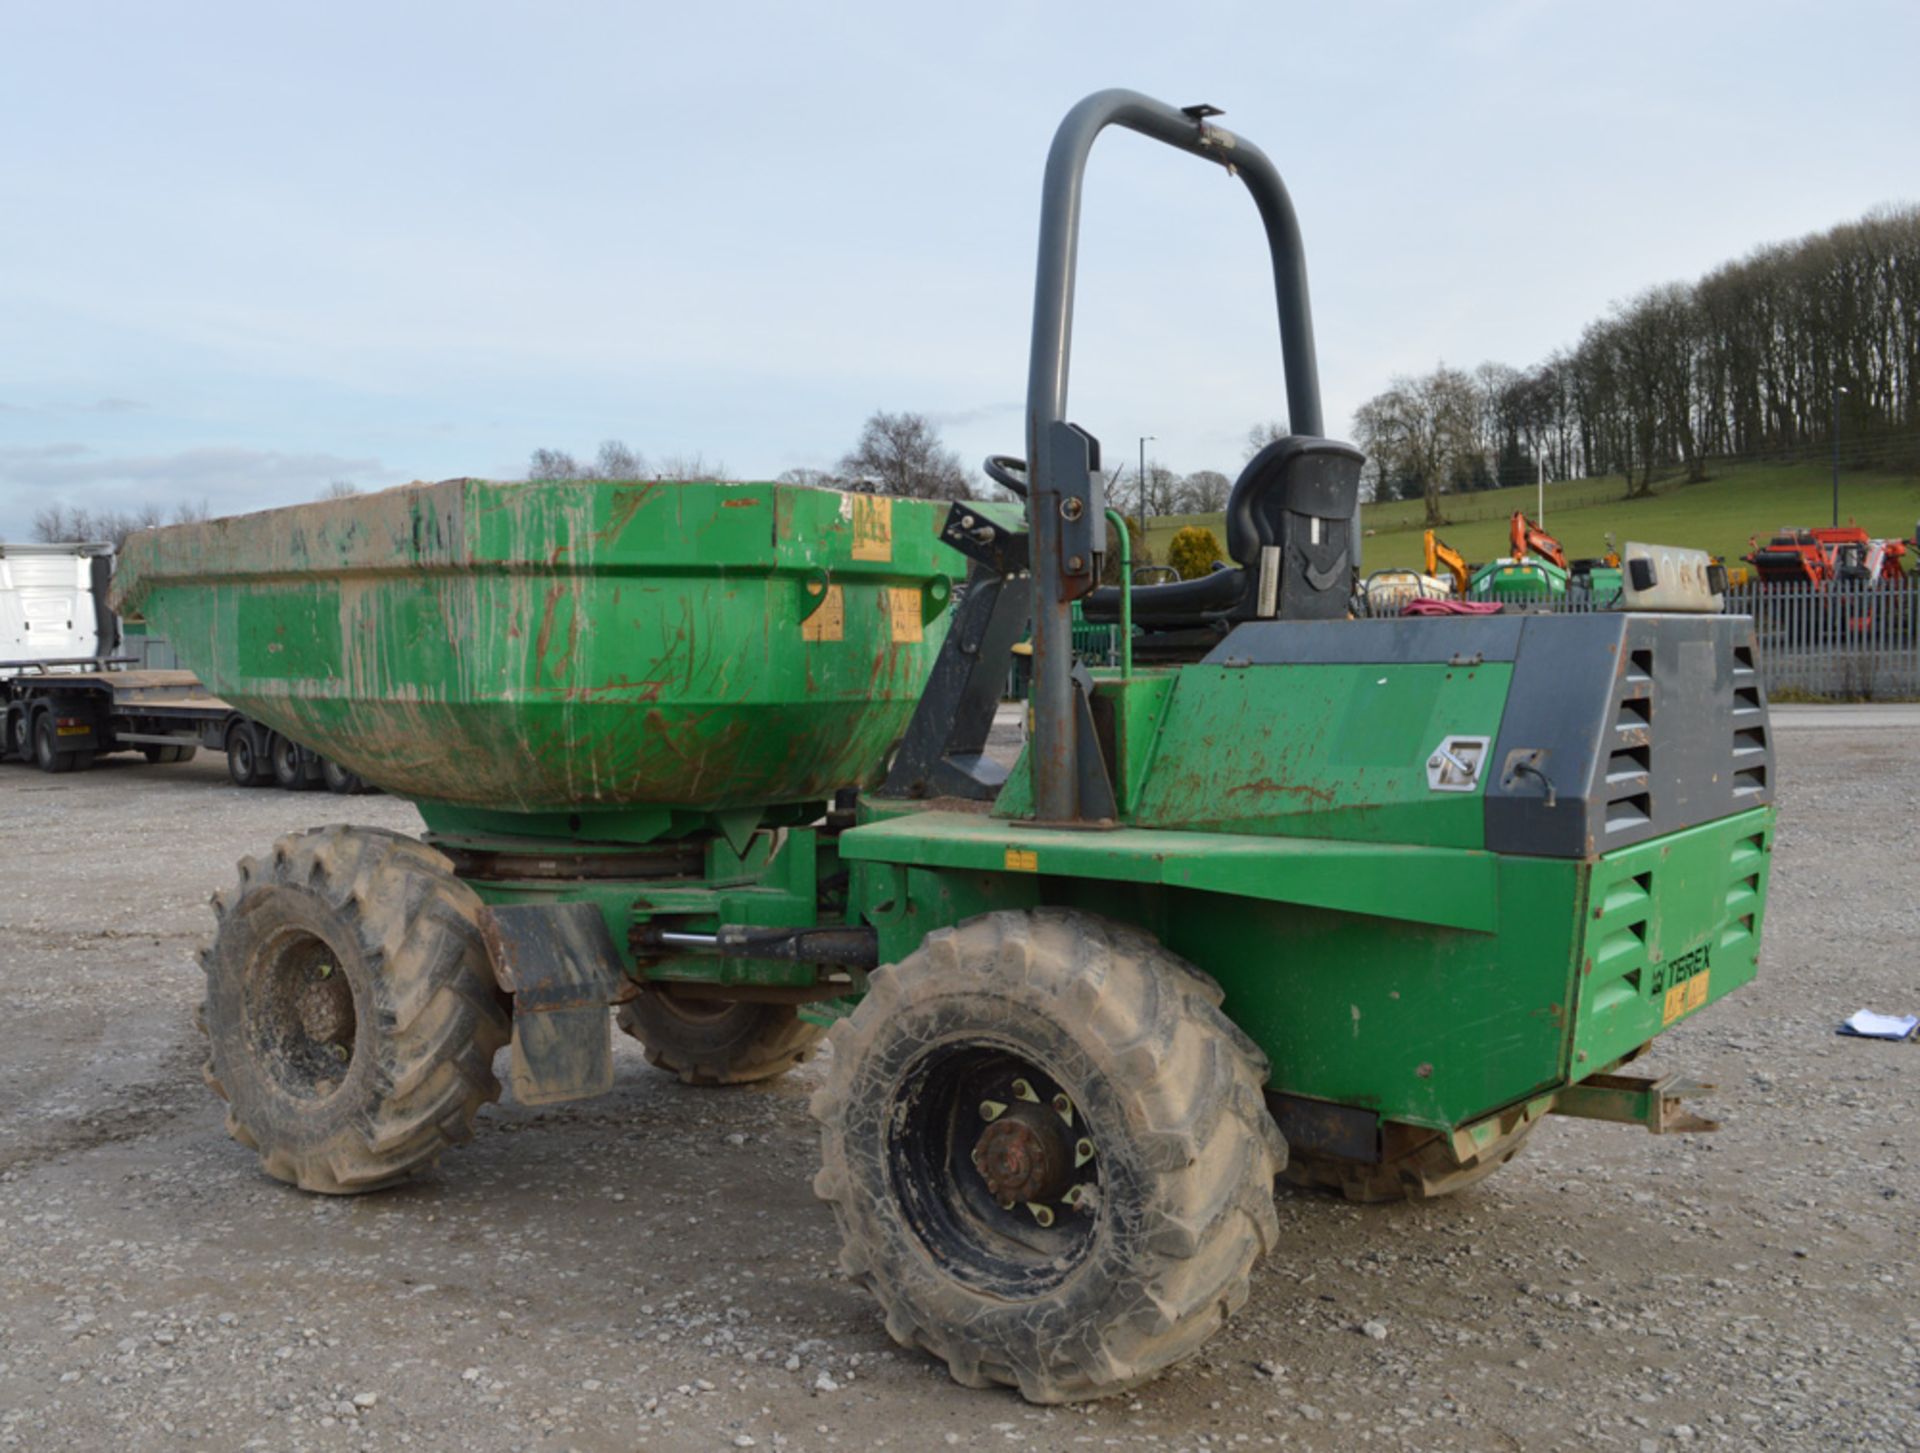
{"x":340,"y":489}
{"x":1262,"y":434}
{"x":903,"y":454}
{"x":73,"y":524}
{"x":1421,"y":436}
{"x":812,"y":478}
{"x":691,"y":466}
{"x":547,"y":464}
{"x":1204,"y":491}
{"x":616,"y":461}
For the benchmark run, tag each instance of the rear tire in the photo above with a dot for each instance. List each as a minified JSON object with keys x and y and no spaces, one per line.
{"x":712,"y":1042}
{"x":246,"y":765}
{"x":1417,"y":1169}
{"x":338,"y":779}
{"x":290,"y":764}
{"x":1151,"y":1205}
{"x":47,"y":755}
{"x":351,"y":1011}
{"x":166,"y":756}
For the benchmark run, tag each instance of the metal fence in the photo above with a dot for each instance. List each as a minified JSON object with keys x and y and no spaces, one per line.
{"x":1855,"y":642}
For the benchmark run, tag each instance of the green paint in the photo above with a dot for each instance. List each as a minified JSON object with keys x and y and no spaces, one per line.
{"x":568,"y":648}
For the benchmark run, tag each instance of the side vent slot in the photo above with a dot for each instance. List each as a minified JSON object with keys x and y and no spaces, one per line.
{"x":1630,"y":812}
{"x":1627,"y":769}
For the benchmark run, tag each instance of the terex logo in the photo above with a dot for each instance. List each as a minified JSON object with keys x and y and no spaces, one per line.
{"x":1683,"y":982}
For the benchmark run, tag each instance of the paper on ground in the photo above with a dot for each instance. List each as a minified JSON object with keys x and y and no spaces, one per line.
{"x":1869,"y":1025}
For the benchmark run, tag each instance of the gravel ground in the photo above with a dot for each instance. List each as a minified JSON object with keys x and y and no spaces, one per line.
{"x":650,"y":1270}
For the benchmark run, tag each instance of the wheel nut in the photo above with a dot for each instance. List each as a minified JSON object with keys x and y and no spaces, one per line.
{"x":1024,"y":1091}
{"x":991,"y":1109}
{"x":1041,"y":1214}
{"x":1082,"y":1153}
{"x":1063,"y":1107}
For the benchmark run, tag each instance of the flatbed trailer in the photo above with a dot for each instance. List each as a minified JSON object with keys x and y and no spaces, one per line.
{"x":62,"y":715}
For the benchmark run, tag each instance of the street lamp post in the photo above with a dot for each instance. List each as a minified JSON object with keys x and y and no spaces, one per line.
{"x":1144,"y":439}
{"x":1834,"y":422}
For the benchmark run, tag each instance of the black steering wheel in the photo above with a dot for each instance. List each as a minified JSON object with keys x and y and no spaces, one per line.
{"x":1008,"y":472}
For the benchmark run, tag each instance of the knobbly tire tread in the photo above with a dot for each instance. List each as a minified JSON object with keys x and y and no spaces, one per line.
{"x":1424,"y":1172}
{"x":430,"y":1017}
{"x":751,"y":1042}
{"x":1180,"y":1105}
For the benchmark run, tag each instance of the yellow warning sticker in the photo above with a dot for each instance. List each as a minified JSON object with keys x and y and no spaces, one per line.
{"x":1674,"y":1005}
{"x":903,"y":607}
{"x":1696,"y":991}
{"x":872,"y":527}
{"x":1023,"y":860}
{"x":829,"y":622}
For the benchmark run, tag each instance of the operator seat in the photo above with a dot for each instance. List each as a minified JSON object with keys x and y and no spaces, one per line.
{"x":1289,"y":531}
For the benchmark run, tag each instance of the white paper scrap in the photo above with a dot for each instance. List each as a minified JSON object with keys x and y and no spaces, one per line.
{"x":1869,"y":1025}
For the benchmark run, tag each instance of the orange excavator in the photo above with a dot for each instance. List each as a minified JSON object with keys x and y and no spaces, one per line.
{"x":1529,"y":538}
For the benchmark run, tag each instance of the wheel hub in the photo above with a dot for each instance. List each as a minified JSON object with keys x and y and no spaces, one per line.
{"x":1025,"y":1155}
{"x":325,"y":1008}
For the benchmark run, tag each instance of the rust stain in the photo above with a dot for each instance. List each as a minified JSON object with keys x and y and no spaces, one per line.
{"x":1305,"y":791}
{"x":545,"y":637}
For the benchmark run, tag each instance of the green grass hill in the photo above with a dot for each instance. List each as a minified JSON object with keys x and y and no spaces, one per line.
{"x":1719,"y":515}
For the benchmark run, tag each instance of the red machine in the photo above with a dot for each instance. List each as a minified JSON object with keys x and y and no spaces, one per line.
{"x":1845,"y":553}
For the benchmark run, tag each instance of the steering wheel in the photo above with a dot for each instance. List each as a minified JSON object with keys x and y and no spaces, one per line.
{"x":1008,"y":472}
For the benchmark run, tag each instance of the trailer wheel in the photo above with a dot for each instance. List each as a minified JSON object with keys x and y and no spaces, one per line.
{"x":339,"y":780}
{"x":351,"y":1011}
{"x":245,"y":764}
{"x":166,"y":756}
{"x":292,"y":768}
{"x":711,"y":1042}
{"x":1419,"y":1169}
{"x":19,"y":740}
{"x":46,"y":749}
{"x":1047,"y":1153}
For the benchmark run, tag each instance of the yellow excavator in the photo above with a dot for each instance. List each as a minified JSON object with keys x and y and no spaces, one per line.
{"x":1439,"y":555}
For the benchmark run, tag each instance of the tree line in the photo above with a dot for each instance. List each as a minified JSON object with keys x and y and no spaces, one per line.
{"x":1767,"y":356}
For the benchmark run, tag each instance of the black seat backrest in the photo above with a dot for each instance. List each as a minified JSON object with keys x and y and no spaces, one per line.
{"x":1298,"y":496}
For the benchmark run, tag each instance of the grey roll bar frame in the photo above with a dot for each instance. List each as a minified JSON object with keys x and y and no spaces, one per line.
{"x":1052,"y":500}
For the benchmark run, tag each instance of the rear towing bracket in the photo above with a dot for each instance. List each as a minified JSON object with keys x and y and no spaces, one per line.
{"x":1636,"y":1100}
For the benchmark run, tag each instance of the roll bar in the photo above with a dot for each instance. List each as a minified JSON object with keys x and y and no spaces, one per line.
{"x":1065,"y":505}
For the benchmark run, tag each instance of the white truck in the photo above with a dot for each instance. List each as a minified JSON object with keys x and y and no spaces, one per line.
{"x":68,"y":695}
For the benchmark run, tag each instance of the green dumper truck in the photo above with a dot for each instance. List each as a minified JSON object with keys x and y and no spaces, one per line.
{"x":1284,"y":894}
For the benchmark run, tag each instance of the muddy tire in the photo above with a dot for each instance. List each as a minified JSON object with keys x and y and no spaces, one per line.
{"x":350,"y":1010}
{"x":1416,"y":1168}
{"x":950,"y":1182}
{"x":708,"y":1042}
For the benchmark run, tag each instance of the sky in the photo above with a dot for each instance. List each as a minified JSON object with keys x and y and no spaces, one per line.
{"x":248,"y":250}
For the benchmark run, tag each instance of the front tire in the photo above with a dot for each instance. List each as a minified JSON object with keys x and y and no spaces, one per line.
{"x":1048,"y":1154}
{"x":712,"y":1042}
{"x":351,"y":1010}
